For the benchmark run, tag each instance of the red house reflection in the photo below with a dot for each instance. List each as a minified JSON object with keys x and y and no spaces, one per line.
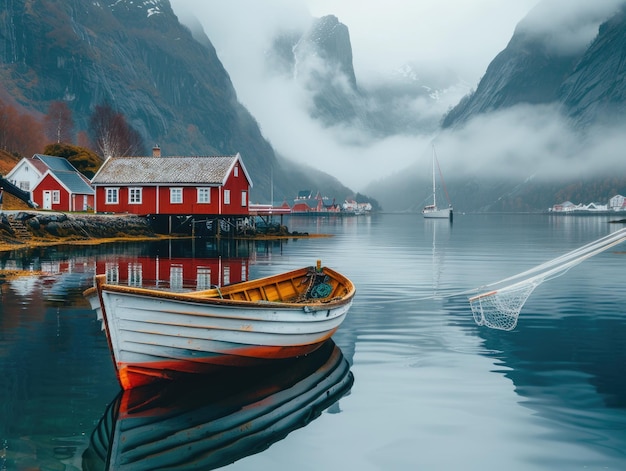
{"x":174,"y":273}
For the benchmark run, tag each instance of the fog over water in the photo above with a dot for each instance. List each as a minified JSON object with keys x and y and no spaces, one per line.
{"x":444,"y":35}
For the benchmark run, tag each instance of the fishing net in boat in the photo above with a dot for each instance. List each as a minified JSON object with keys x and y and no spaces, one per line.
{"x":498,"y":304}
{"x":318,"y":286}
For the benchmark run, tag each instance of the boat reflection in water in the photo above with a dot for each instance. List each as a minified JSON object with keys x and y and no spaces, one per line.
{"x":218,"y":419}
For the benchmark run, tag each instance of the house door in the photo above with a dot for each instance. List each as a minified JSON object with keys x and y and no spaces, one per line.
{"x":47,"y":199}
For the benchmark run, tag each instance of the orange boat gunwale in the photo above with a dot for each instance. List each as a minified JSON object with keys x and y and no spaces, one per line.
{"x":253,"y":294}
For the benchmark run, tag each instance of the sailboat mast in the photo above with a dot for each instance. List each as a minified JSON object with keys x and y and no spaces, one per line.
{"x":434,"y":187}
{"x":432,"y":211}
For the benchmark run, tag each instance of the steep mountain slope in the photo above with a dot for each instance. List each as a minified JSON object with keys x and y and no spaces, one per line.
{"x":525,"y":72}
{"x":323,"y":61}
{"x":320,"y":60}
{"x":136,"y":56}
{"x":595,"y":90}
{"x":533,"y":69}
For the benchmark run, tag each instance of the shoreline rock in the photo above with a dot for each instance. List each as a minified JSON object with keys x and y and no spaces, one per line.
{"x":21,"y":228}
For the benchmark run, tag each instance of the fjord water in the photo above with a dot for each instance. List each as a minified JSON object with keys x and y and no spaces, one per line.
{"x":431,"y":390}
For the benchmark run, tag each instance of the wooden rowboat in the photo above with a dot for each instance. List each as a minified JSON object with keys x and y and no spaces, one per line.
{"x":155,"y":334}
{"x":212,"y":423}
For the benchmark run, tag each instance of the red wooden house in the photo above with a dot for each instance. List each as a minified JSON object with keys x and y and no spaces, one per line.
{"x":216,"y":186}
{"x":53,"y":182}
{"x":67,"y":191}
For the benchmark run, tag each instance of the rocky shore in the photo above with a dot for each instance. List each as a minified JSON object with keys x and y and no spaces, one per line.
{"x":28,"y":228}
{"x":24,"y":228}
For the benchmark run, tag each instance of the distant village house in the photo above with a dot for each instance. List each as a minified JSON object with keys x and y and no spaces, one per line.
{"x":305,"y":203}
{"x":616,"y":203}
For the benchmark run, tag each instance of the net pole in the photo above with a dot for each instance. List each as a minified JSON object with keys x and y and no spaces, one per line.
{"x":499,"y":308}
{"x":588,"y":250}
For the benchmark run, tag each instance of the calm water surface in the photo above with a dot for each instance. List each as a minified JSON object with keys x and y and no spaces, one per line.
{"x":430,"y":390}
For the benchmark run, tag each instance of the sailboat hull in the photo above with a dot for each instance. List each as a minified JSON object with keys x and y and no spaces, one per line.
{"x":435,"y":213}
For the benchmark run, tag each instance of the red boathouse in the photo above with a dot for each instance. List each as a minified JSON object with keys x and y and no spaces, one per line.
{"x":190,"y":189}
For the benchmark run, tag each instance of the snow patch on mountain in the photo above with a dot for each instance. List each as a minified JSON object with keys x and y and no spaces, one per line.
{"x":152,"y":7}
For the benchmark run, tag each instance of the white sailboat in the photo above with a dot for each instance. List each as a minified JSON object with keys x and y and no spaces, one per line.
{"x":432,"y":211}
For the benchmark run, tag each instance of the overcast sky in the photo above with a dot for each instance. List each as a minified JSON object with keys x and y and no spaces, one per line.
{"x":462,"y":35}
{"x":384,"y":34}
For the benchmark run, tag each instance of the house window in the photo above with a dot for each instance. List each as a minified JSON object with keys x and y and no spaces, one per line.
{"x":226,"y":196}
{"x":24,"y":185}
{"x":176,"y":195}
{"x":135,"y":274}
{"x":236,"y":171}
{"x":112,"y":271}
{"x":56,"y":196}
{"x":203,"y":278}
{"x":204,"y":195}
{"x":176,"y":277}
{"x":112,"y":195}
{"x":244,"y":198}
{"x":134,"y":196}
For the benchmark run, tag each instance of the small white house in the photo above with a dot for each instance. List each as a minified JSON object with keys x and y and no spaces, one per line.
{"x":595,"y":207}
{"x":617,"y":203}
{"x":27,"y":173}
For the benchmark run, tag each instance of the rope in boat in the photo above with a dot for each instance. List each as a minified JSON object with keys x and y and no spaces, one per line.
{"x":317,"y":288}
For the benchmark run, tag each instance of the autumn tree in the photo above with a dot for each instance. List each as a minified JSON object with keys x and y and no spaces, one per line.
{"x":28,"y":135}
{"x":84,"y":160}
{"x":111,"y":135}
{"x":5,"y":118}
{"x":82,"y":139}
{"x":59,"y":123}
{"x":20,"y":133}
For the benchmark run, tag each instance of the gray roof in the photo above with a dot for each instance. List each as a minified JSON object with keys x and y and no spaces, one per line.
{"x":56,"y":164}
{"x":74,"y":182}
{"x":66,"y":174}
{"x":165,"y":170}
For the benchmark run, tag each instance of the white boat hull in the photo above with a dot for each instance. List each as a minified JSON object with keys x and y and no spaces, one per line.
{"x":168,"y":335}
{"x":445,"y":213}
{"x":164,"y":335}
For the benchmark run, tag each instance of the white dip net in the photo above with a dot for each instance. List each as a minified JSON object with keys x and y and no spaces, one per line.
{"x":498,"y":304}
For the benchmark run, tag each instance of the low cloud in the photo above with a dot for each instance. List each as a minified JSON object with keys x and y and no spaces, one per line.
{"x":531,"y":140}
{"x":568,"y":26}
